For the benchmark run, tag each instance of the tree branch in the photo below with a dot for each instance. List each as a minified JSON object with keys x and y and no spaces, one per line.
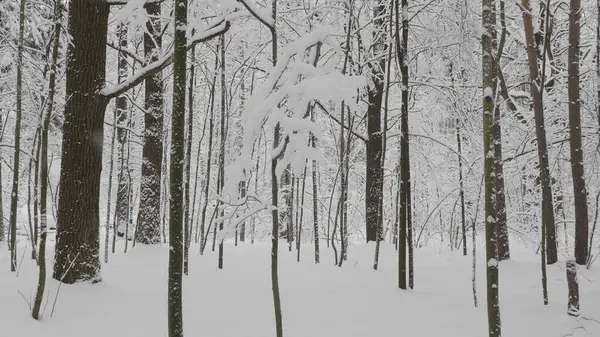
{"x":126,"y":51}
{"x":125,"y":2}
{"x":265,"y":20}
{"x":213,"y":31}
{"x":359,"y":136}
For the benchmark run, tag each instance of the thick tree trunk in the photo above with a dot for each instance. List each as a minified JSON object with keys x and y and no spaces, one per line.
{"x":488,"y":41}
{"x":374,"y":145}
{"x":148,"y":220}
{"x":573,"y":306}
{"x":579,"y":189}
{"x":78,"y":223}
{"x":176,"y":207}
{"x":405,"y":209}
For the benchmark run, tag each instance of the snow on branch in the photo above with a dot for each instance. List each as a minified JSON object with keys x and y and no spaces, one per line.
{"x":132,"y":2}
{"x":262,"y":15}
{"x":126,"y":51}
{"x":214,"y":30}
{"x":292,"y":85}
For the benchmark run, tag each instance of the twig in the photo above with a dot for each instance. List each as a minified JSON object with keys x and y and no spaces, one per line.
{"x":26,"y":301}
{"x":60,"y":283}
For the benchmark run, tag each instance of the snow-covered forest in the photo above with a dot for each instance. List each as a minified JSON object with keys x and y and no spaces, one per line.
{"x":299,"y":168}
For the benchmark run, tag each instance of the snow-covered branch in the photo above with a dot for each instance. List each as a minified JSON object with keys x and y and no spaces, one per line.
{"x":130,"y":2}
{"x":213,"y":31}
{"x":260,"y":14}
{"x":282,"y":99}
{"x":354,"y":132}
{"x":128,"y":52}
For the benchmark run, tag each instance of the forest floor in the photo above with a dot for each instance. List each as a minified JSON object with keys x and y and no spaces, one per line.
{"x":318,"y":300}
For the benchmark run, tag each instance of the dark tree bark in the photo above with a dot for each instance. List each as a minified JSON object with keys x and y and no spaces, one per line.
{"x":36,"y":173}
{"x":274,"y":197}
{"x":77,"y":242}
{"x":374,"y":144}
{"x":579,"y":189}
{"x":489,"y":44}
{"x":14,"y":196}
{"x":148,"y":220}
{"x":221,"y":182}
{"x":176,"y":206}
{"x":123,"y":187}
{"x":188,"y":165}
{"x":462,"y":191}
{"x":540,"y":130}
{"x":573,"y":306}
{"x":499,"y":196}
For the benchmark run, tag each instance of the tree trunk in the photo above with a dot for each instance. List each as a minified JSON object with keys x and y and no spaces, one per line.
{"x":2,"y":228}
{"x":123,"y":188}
{"x":579,"y":190}
{"x":536,"y":93}
{"x":274,"y":197}
{"x":488,"y":41}
{"x":209,"y":159}
{"x":374,"y":145}
{"x":499,"y":197}
{"x":148,"y":219}
{"x":405,"y":211}
{"x":37,"y":305}
{"x":14,"y":197}
{"x":188,"y":165}
{"x":315,"y":195}
{"x":573,"y":306}
{"x":301,"y":207}
{"x":77,"y":242}
{"x":36,"y":172}
{"x":176,"y":207}
{"x":221,"y":182}
{"x":462,"y":191}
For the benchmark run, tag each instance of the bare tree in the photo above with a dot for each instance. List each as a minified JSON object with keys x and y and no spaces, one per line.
{"x":488,"y":42}
{"x":579,"y":189}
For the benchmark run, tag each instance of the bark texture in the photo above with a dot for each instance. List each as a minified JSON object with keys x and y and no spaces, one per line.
{"x":540,"y":130}
{"x":176,"y":206}
{"x":78,"y":223}
{"x":148,"y":220}
{"x":374,"y":145}
{"x":488,"y":42}
{"x":579,"y":189}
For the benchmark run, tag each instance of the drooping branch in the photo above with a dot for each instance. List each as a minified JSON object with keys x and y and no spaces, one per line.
{"x":144,"y":3}
{"x":358,"y":135}
{"x":138,"y":59}
{"x":213,"y":31}
{"x":265,"y":19}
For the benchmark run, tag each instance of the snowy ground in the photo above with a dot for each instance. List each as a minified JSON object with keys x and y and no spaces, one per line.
{"x":318,"y":300}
